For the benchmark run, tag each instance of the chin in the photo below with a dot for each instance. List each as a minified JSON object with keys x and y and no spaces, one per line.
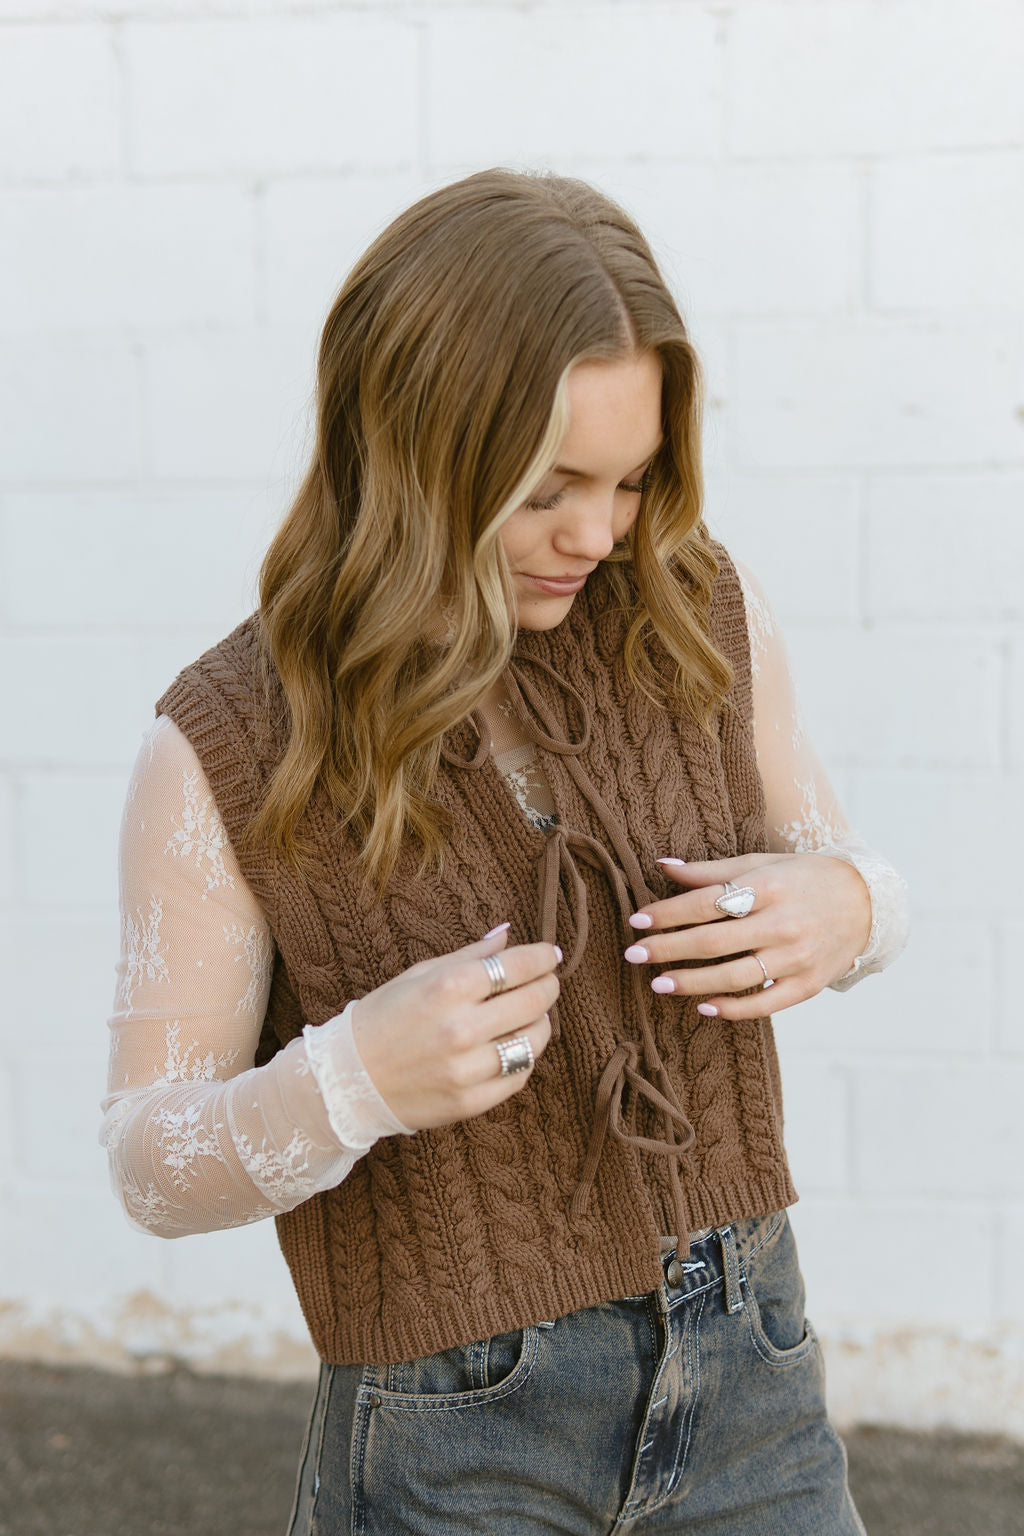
{"x":544,"y":612}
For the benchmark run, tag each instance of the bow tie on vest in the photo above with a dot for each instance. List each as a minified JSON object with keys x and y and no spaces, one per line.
{"x":636,"y":1063}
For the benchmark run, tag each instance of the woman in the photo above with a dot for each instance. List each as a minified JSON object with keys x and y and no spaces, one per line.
{"x":412,"y":841}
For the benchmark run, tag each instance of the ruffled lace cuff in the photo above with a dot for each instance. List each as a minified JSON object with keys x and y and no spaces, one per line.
{"x":356,"y":1111}
{"x":890,"y":917}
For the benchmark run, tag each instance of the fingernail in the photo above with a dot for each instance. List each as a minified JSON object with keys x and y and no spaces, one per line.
{"x":670,"y":861}
{"x":636,"y":954}
{"x":708,"y":1010}
{"x":663,"y":984}
{"x":558,"y":953}
{"x":491,"y":933}
{"x":641,"y":920}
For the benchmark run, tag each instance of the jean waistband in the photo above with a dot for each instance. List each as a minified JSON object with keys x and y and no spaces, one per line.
{"x":670,"y":1244}
{"x":717,"y":1255}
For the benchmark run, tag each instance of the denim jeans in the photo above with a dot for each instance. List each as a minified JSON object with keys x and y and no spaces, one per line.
{"x":699,"y":1408}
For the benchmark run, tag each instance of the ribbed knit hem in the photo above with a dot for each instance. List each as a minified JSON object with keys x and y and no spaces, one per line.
{"x":601,"y":1275}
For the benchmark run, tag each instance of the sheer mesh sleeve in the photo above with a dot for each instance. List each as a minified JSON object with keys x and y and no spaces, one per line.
{"x":199,"y":1138}
{"x":804,"y":815}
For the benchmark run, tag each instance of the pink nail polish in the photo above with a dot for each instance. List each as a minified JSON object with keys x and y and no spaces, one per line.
{"x":708,"y":1010}
{"x":663,"y":984}
{"x":636,"y":954}
{"x":641,"y":920}
{"x":493,"y":932}
{"x":670,"y":861}
{"x":558,"y":953}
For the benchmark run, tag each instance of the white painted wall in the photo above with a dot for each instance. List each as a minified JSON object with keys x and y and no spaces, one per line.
{"x":835,"y":189}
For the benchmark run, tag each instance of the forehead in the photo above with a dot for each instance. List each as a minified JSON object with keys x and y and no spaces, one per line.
{"x":614,"y":410}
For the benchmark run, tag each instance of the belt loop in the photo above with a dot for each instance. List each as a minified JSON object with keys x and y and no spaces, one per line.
{"x":731,"y":1267}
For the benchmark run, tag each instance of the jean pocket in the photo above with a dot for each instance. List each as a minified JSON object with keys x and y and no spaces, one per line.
{"x":773,"y":1292}
{"x":459,"y":1377}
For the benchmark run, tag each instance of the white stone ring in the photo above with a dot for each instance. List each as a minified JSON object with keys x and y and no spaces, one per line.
{"x":495,"y":974}
{"x":737,"y":900}
{"x":515,"y":1055}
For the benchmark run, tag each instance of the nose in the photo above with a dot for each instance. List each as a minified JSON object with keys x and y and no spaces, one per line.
{"x":588,"y":529}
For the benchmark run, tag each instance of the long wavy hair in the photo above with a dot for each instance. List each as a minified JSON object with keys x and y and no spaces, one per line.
{"x":386,"y":604}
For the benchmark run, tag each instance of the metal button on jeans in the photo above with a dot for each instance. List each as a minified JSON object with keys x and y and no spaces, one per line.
{"x":674,"y":1272}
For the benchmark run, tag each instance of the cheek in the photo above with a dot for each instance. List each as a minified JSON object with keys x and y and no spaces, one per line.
{"x":517,"y":541}
{"x":624,"y":524}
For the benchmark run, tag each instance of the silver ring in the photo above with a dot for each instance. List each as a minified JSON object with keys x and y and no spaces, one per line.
{"x":495,"y":974}
{"x":515,"y":1055}
{"x":768,"y":982}
{"x":737,"y":900}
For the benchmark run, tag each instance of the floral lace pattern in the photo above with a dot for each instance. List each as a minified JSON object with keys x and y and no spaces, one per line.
{"x":760,"y":621}
{"x":143,"y":956}
{"x":185,"y":1137}
{"x":201,"y":835}
{"x":357,"y":1113}
{"x":521,"y":772}
{"x":889,"y":907}
{"x":185,"y":1064}
{"x":255,"y":947}
{"x":286,"y":1177}
{"x":197,"y":1138}
{"x":813,"y":828}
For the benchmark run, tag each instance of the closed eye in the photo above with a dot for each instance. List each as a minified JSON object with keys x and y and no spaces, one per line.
{"x":635,"y":487}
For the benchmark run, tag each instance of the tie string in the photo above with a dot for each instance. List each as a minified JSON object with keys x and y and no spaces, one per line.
{"x":563,"y":850}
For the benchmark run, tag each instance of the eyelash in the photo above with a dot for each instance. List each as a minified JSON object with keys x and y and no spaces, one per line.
{"x":552,"y":501}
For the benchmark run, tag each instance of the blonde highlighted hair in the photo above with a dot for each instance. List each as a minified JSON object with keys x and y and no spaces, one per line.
{"x":441,"y":403}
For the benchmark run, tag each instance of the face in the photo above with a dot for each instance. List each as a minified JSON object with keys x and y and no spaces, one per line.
{"x":591,"y":499}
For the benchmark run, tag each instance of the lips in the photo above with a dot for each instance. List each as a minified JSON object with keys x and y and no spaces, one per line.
{"x":557,"y":586}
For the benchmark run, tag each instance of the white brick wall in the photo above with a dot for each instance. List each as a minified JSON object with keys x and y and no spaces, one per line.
{"x":268,"y":97}
{"x":836,"y":190}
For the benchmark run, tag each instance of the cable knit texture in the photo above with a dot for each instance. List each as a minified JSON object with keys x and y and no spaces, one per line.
{"x":641,"y":1117}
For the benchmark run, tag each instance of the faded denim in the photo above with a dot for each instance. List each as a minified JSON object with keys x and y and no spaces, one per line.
{"x":698,"y":1408}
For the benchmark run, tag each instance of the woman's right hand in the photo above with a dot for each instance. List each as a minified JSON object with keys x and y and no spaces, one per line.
{"x":427,"y":1037}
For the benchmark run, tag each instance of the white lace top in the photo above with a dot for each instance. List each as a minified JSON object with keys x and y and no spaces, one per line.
{"x":198,"y":1137}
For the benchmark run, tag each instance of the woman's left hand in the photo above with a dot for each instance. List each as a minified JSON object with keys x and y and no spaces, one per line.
{"x":810,"y":920}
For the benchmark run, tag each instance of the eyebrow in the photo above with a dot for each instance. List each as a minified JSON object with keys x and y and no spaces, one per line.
{"x":579,"y":474}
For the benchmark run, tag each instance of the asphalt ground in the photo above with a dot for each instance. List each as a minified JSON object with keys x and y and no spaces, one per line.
{"x":84,"y":1453}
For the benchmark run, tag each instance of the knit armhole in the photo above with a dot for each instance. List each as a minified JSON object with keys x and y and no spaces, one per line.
{"x":727,"y":617}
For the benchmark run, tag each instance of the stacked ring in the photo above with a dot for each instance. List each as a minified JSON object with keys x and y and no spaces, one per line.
{"x":495,"y":974}
{"x":515,"y":1055}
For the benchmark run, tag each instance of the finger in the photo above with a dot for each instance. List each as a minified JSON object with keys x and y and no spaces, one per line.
{"x":511,"y":1011}
{"x":683,"y":911}
{"x":489,"y":944}
{"x":700,"y":904}
{"x":482,"y":1074}
{"x":701,"y":941}
{"x":456,"y":979}
{"x":738,"y":975}
{"x":758,"y":1005}
{"x":713,"y":871}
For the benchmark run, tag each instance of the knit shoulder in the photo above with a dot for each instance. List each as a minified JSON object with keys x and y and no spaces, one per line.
{"x":727,"y":621}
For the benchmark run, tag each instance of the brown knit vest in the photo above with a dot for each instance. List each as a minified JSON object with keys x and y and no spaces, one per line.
{"x":641,"y":1117}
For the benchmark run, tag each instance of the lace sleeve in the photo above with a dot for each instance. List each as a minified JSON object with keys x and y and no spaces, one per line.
{"x":198,"y":1138}
{"x":804,"y":814}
